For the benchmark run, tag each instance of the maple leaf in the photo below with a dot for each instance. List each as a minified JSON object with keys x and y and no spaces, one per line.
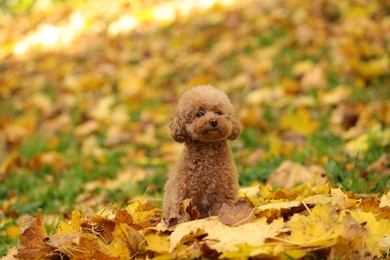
{"x":315,"y":230}
{"x":126,"y":243}
{"x":32,"y":239}
{"x":224,"y":238}
{"x":144,"y":217}
{"x":76,"y":246}
{"x":289,"y":174}
{"x":300,"y":122}
{"x":378,"y":231}
{"x":74,"y":226}
{"x":385,"y":200}
{"x":157,"y":244}
{"x":240,"y":213}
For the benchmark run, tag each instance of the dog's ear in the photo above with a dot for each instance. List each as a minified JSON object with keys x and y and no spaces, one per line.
{"x":236,"y":130}
{"x":178,"y":131}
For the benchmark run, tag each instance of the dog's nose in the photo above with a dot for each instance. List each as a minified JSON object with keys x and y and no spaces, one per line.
{"x":213,"y":122}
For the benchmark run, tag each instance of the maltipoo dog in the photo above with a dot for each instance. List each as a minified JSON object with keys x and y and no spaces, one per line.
{"x":205,"y":173}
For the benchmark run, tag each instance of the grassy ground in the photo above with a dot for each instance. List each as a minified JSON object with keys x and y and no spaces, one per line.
{"x":86,"y":124}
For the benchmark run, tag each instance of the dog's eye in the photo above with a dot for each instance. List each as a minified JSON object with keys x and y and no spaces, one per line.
{"x":218,"y":113}
{"x":199,"y":114}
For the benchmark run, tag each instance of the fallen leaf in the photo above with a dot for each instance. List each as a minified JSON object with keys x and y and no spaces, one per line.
{"x":279,"y":205}
{"x":289,"y":174}
{"x":240,"y":213}
{"x":336,"y":95}
{"x":188,"y":211}
{"x":351,"y":239}
{"x":86,"y":128}
{"x":249,"y":191}
{"x":77,"y":246}
{"x":377,"y":231}
{"x":224,"y":238}
{"x":315,"y":230}
{"x":72,"y":227}
{"x":126,"y":243}
{"x":123,"y":216}
{"x":158,"y":244}
{"x":99,"y":226}
{"x":11,"y":254}
{"x":32,"y":239}
{"x":12,"y":232}
{"x":300,"y":121}
{"x":314,"y":78}
{"x":385,"y":200}
{"x":142,"y":216}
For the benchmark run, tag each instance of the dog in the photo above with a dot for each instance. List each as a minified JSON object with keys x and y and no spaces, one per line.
{"x":205,"y":173}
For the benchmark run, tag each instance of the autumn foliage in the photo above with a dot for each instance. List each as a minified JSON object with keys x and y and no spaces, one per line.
{"x":264,"y":223}
{"x":87,"y":90}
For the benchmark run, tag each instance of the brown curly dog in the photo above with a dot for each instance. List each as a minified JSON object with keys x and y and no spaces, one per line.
{"x":205,"y":172}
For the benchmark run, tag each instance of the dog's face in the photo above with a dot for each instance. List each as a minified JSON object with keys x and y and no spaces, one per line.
{"x":204,"y":114}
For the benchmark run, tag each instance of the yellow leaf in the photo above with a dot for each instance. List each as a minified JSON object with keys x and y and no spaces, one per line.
{"x":143,"y":217}
{"x":300,"y":122}
{"x":317,"y":199}
{"x":302,"y":67}
{"x":245,"y":251}
{"x":265,"y":96}
{"x":12,"y":232}
{"x":158,"y":244}
{"x":378,"y":231}
{"x":293,"y":254}
{"x":73,"y":226}
{"x":339,"y":199}
{"x":126,"y":242}
{"x":280,"y":205}
{"x":335,"y":96}
{"x":315,"y":230}
{"x":187,"y":230}
{"x":361,"y":143}
{"x":372,"y":68}
{"x":249,"y":191}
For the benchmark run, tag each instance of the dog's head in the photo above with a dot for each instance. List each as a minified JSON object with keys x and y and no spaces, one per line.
{"x":204,"y":114}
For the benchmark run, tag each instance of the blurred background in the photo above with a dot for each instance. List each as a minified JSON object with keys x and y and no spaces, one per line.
{"x":88,"y":88}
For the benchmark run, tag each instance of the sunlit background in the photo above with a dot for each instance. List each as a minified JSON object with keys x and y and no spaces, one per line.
{"x":87,"y":90}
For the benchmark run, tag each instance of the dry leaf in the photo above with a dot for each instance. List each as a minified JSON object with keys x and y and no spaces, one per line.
{"x":279,"y":205}
{"x":300,"y":121}
{"x":289,"y":174}
{"x":99,"y":226}
{"x":158,"y":244}
{"x":32,"y":239}
{"x":377,"y":231}
{"x":127,"y":242}
{"x":351,"y":240}
{"x":315,"y":230}
{"x":76,"y":246}
{"x":123,"y":216}
{"x":11,"y":254}
{"x":224,"y":238}
{"x":240,"y":213}
{"x":385,"y":200}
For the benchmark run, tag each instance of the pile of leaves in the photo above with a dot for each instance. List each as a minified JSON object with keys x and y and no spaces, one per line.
{"x":320,"y":222}
{"x":88,"y":89}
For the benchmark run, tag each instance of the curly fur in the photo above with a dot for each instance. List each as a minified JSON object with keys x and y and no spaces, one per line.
{"x":205,"y":173}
